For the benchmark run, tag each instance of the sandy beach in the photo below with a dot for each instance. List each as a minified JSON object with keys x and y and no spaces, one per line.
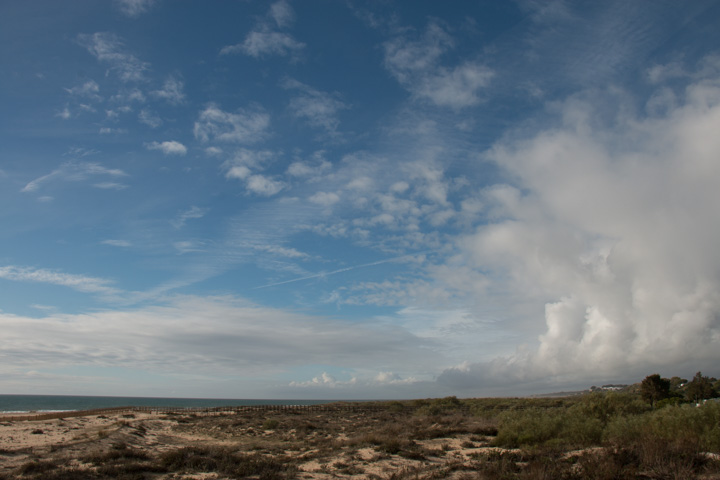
{"x":280,"y":444}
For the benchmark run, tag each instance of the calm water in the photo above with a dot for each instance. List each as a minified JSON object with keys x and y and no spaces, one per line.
{"x":39,"y":403}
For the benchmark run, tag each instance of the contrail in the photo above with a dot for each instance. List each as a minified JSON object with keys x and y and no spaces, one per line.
{"x":326,"y":274}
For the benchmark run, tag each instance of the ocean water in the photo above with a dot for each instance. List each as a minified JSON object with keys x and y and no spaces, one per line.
{"x":62,"y":403}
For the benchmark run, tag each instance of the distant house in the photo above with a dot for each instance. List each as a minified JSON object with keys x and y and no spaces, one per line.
{"x":607,"y":388}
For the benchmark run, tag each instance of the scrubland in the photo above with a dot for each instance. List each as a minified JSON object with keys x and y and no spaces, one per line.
{"x":599,"y":436}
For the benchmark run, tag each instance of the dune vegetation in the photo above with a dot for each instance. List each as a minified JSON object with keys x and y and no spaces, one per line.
{"x":601,"y":435}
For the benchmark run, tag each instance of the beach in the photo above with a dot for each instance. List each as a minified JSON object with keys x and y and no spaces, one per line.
{"x":319,"y":443}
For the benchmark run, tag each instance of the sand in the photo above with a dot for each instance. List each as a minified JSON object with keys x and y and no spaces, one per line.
{"x":309,"y":445}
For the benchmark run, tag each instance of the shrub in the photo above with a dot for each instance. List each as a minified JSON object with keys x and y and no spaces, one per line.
{"x":606,"y":406}
{"x":559,"y":427}
{"x":226,"y":462}
{"x":681,"y":425}
{"x":270,"y":424}
{"x":34,"y":468}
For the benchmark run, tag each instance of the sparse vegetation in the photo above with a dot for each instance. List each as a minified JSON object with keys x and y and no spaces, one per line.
{"x":618,"y":434}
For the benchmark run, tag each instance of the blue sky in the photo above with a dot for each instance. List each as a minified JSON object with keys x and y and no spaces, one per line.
{"x":340,"y":199}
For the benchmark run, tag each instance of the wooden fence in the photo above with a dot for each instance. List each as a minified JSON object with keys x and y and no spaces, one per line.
{"x":332,"y":407}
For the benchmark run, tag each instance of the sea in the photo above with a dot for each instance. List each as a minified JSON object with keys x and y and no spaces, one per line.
{"x":67,"y":403}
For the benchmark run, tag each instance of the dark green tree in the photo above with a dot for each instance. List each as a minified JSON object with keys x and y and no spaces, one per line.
{"x":676,"y":383}
{"x":654,"y":388}
{"x":700,"y":388}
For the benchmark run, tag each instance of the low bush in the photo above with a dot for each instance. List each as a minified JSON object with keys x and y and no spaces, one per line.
{"x":270,"y":424}
{"x":227,"y":462}
{"x":536,"y":426}
{"x":36,"y":467}
{"x":680,"y":425}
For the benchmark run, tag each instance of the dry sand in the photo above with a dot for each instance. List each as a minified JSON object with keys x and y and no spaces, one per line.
{"x":317,"y":445}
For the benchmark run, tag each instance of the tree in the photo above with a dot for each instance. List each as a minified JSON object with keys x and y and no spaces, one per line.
{"x":676,"y":383}
{"x":654,"y":388}
{"x":700,"y":388}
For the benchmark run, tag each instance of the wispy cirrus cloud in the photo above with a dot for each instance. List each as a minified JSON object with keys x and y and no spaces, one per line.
{"x":415,"y":63}
{"x":73,"y":172}
{"x":116,"y":243}
{"x":171,"y":91}
{"x":109,"y":48}
{"x":320,"y":109}
{"x":80,"y":283}
{"x":149,"y":118}
{"x":89,"y":89}
{"x":243,"y":126}
{"x":191,"y":213}
{"x":134,"y":8}
{"x":110,"y":186}
{"x":282,"y":13}
{"x":265,"y":41}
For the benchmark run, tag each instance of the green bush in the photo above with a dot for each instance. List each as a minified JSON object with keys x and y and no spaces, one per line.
{"x":606,"y":406}
{"x":676,"y":425}
{"x":557,"y":427}
{"x":271,"y":424}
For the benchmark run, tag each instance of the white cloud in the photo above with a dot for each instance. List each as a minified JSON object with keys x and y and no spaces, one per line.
{"x":168,"y":148}
{"x":325,"y":199}
{"x":314,"y":168}
{"x":128,"y":95}
{"x":324,"y":380}
{"x":205,"y":335}
{"x":240,"y":172}
{"x":611,"y":235}
{"x":171,"y":92}
{"x":111,"y":131}
{"x":256,"y":159}
{"x":356,"y":383}
{"x":80,"y":152}
{"x":263,"y":185}
{"x":110,"y":186}
{"x":188,"y":246}
{"x":72,"y":172}
{"x":108,"y":47}
{"x":282,"y":13}
{"x":455,"y":88}
{"x":280,"y":251}
{"x":264,"y":42}
{"x":392,"y":378}
{"x":191,"y":213}
{"x":76,"y":282}
{"x":64,"y":113}
{"x":213,"y":151}
{"x":245,"y":166}
{"x":415,"y":64}
{"x":88,"y":89}
{"x":245,"y":126}
{"x":116,"y":243}
{"x":133,"y":8}
{"x":149,"y":118}
{"x":318,"y":108}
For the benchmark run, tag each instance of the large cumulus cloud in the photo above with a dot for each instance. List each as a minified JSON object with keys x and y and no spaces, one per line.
{"x":609,"y":223}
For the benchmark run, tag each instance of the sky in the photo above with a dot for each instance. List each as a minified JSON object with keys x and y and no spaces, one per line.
{"x":357,"y":200}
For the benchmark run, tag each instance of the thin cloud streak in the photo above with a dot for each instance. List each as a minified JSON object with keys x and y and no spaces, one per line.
{"x":341,"y":270}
